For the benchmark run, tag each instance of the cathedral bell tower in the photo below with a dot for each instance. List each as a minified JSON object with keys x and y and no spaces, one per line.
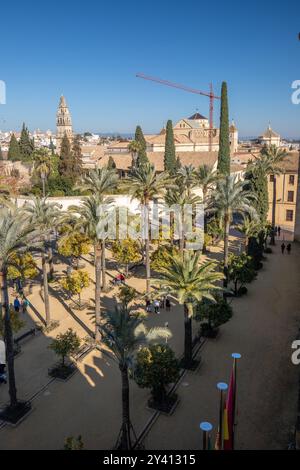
{"x":63,"y":123}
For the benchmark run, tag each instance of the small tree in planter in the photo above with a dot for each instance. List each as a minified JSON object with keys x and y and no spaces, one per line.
{"x":214,"y":315}
{"x":74,"y":244}
{"x":73,"y":443}
{"x":156,"y":368}
{"x":64,"y":345}
{"x":74,"y":283}
{"x":240,"y":271}
{"x":125,"y":252}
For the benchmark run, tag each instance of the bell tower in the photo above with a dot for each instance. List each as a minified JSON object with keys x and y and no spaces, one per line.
{"x":63,"y":123}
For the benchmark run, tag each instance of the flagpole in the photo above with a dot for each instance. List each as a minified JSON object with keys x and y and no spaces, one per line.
{"x":206,"y":427}
{"x":235,"y":356}
{"x":222,"y":387}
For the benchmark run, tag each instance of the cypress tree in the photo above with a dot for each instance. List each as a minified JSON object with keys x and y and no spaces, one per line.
{"x":14,"y":153}
{"x":257,"y":182}
{"x":65,"y":166}
{"x":170,"y":156}
{"x":26,"y":144}
{"x":142,"y":154}
{"x":77,"y":158}
{"x":111,"y":163}
{"x":51,"y":146}
{"x":224,"y":143}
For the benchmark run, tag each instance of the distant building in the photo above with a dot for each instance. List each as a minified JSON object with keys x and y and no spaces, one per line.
{"x":63,"y":123}
{"x":190,"y":135}
{"x":270,"y":137}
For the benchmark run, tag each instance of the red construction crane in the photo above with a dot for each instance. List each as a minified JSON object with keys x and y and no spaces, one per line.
{"x":209,"y":94}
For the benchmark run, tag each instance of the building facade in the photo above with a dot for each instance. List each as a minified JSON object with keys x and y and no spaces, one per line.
{"x":63,"y":123}
{"x":286,"y":193}
{"x":270,"y":137}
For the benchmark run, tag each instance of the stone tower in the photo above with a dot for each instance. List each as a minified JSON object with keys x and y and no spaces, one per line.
{"x":63,"y":123}
{"x":233,"y":138}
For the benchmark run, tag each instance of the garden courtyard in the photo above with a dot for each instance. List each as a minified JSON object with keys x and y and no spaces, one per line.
{"x":264,"y":324}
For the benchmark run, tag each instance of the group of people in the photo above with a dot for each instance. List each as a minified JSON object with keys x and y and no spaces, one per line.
{"x":288,"y":248}
{"x":21,"y":304}
{"x":158,"y":304}
{"x":277,"y":230}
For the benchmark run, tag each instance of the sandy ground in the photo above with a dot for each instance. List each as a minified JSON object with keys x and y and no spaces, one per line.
{"x":264,"y":324}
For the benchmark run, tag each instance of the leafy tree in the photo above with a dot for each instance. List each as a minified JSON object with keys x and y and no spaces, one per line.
{"x":240,"y":270}
{"x":224,"y":143}
{"x":123,"y":333}
{"x":26,"y":144}
{"x":156,"y":367}
{"x":74,"y":244}
{"x":75,"y":282}
{"x":190,"y":282}
{"x":126,"y":251}
{"x":142,"y":158}
{"x":14,"y":153}
{"x":162,"y":257}
{"x":215,"y":311}
{"x":65,"y":344}
{"x":170,"y":156}
{"x":23,"y":266}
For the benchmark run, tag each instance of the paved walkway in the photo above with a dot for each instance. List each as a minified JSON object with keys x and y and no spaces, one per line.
{"x":264,"y":324}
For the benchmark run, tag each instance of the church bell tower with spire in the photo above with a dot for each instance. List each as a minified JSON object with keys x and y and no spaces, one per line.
{"x":63,"y":123}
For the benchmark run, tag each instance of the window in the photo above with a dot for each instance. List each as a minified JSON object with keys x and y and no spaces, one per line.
{"x":289,"y":215}
{"x":290,"y":197}
{"x":271,"y":178}
{"x":292,"y":179}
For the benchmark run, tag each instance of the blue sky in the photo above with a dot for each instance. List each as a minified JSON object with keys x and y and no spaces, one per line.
{"x":90,"y":52}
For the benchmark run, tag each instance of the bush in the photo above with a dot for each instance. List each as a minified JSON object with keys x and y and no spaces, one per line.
{"x":215,"y":313}
{"x":156,"y":367}
{"x":242,"y":291}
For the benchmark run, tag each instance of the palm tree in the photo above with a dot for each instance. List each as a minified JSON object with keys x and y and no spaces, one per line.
{"x":42,"y":165}
{"x":186,"y":178}
{"x":179,"y":197}
{"x":269,"y":161}
{"x":249,"y":227}
{"x":89,"y":221}
{"x":145,"y":185}
{"x":44,"y":216}
{"x":206,"y":178}
{"x":190,"y":282}
{"x":100,"y":182}
{"x":134,"y":147}
{"x":228,"y":199}
{"x":123,"y":332}
{"x":15,"y":235}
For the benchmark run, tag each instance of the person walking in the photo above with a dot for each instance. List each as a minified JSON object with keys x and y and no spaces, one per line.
{"x":282,"y":248}
{"x":168,"y":304}
{"x":162,"y":302}
{"x":288,"y":248}
{"x":156,"y":304}
{"x":17,"y":304}
{"x":279,"y":230}
{"x":148,"y":305}
{"x":25,"y":305}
